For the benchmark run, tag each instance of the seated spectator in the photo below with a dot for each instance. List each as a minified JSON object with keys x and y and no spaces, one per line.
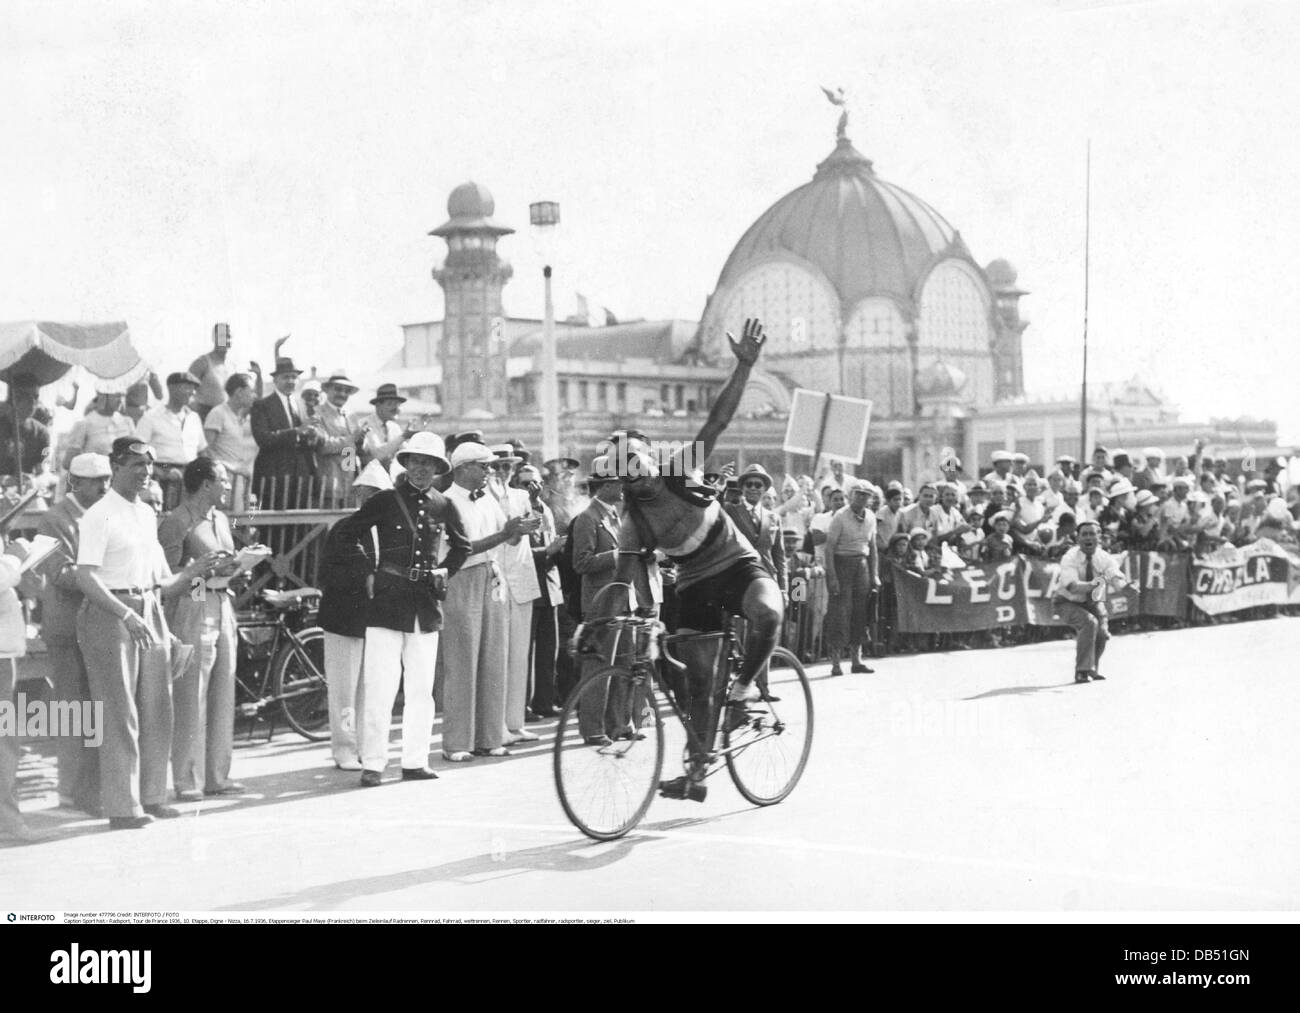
{"x":977,"y":499}
{"x":888,"y":516}
{"x":947,"y":521}
{"x":919,"y":559}
{"x":998,"y":547}
{"x":1141,"y":530}
{"x":1061,"y":538}
{"x":1152,"y":470}
{"x":1176,"y":532}
{"x":1277,"y":524}
{"x":918,"y":514}
{"x":1093,"y":507}
{"x":970,"y":542}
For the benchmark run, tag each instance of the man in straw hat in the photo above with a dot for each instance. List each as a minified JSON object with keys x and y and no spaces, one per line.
{"x":472,"y":664}
{"x":336,"y":457}
{"x":422,"y":545}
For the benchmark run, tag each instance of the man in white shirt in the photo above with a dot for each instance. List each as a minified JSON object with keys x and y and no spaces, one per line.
{"x":1087,"y":573}
{"x":175,"y":432}
{"x":95,"y":431}
{"x":383,"y":433}
{"x":124,"y":639}
{"x":472,"y":660}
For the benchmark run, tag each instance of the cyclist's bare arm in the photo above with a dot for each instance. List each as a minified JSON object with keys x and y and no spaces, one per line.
{"x":746,"y":351}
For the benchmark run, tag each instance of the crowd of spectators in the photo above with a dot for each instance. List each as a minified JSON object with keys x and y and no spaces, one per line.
{"x":537,"y":546}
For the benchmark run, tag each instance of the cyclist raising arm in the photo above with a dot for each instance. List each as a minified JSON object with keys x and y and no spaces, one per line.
{"x":668,"y":507}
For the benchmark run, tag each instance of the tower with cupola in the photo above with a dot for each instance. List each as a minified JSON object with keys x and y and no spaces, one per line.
{"x":473,"y":344}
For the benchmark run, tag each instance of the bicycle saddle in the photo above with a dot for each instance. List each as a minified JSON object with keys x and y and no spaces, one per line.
{"x":288,"y":599}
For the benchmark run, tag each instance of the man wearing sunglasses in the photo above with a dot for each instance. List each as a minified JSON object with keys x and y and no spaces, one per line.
{"x":668,"y":507}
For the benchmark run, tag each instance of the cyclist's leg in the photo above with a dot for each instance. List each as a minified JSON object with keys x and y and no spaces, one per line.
{"x":701,"y":660}
{"x":763,"y":610}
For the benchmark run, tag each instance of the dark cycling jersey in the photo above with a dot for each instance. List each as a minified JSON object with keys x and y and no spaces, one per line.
{"x":685,"y":522}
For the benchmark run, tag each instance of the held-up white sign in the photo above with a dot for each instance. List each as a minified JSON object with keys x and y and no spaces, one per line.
{"x":837,"y":430}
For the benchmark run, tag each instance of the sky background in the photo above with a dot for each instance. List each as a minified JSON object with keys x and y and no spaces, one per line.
{"x":279,"y":165}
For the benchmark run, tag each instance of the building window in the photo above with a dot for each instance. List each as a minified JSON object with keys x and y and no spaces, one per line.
{"x":602,"y":396}
{"x":564,"y":395}
{"x":584,"y":391}
{"x":621,"y":395}
{"x":679,"y":397}
{"x":1034,"y":450}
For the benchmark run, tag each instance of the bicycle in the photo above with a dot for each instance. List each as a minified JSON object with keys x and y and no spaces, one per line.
{"x":605,"y":790}
{"x":281,"y":663}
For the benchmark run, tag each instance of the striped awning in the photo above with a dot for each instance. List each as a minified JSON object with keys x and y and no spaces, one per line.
{"x":45,"y":351}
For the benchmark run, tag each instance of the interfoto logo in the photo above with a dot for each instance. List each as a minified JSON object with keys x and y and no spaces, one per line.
{"x":102,"y":967}
{"x":59,"y":719}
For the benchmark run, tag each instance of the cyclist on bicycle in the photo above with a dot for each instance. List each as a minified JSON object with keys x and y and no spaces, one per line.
{"x":668,"y":507}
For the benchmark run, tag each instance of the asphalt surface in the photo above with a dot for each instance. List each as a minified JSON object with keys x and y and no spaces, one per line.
{"x":972,"y":781}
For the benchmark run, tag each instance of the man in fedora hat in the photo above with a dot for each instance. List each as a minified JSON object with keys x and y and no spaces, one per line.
{"x":336,"y":457}
{"x":761,"y":526}
{"x":286,"y":444}
{"x":383,"y":434}
{"x":416,"y":527}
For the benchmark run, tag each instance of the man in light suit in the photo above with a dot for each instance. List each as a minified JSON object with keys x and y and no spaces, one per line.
{"x":60,"y":600}
{"x":762,"y":527}
{"x":285,"y":444}
{"x":522,"y":589}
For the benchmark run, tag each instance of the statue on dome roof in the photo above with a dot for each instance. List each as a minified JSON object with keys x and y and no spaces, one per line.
{"x":837,"y":98}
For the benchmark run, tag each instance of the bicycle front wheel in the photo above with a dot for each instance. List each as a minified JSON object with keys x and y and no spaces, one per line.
{"x":298,"y":682}
{"x":766,"y":756}
{"x":606,"y":789}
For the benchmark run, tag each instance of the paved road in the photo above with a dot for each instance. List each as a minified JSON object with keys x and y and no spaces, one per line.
{"x":972,"y":781}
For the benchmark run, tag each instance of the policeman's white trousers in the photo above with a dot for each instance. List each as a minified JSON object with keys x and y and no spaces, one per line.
{"x":392,"y":656}
{"x":343,"y":675}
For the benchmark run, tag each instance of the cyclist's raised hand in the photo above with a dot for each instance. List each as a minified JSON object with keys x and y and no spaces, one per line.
{"x":751,"y":341}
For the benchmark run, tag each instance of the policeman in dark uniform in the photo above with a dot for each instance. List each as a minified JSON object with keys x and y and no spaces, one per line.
{"x":404,"y":615}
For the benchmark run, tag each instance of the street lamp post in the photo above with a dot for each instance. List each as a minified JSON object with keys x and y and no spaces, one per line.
{"x":545,"y":216}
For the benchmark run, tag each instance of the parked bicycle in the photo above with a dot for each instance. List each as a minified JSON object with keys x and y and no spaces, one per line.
{"x":281,"y":665}
{"x":606,"y":789}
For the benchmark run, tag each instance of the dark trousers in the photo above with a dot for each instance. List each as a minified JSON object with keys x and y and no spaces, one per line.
{"x":545,"y":637}
{"x":847,"y":613}
{"x":1090,"y":633}
{"x":566,"y":667}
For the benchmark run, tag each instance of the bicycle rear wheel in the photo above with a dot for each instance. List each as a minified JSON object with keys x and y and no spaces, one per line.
{"x":605,"y":790}
{"x":768,"y":754}
{"x":298,"y":682}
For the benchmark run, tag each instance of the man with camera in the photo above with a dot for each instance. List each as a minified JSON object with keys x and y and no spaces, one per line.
{"x":413,"y":521}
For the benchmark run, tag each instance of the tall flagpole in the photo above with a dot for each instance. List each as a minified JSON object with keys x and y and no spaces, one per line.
{"x":1087,"y":230}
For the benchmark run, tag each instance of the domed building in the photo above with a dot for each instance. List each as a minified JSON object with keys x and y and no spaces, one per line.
{"x":865,"y":290}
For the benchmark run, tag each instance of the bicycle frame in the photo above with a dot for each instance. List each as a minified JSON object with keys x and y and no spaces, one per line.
{"x":643,"y":665}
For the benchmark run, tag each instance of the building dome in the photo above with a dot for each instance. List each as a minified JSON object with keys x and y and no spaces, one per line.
{"x":471,"y":207}
{"x":940,"y":380}
{"x":867,"y":236}
{"x":1000,"y":274}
